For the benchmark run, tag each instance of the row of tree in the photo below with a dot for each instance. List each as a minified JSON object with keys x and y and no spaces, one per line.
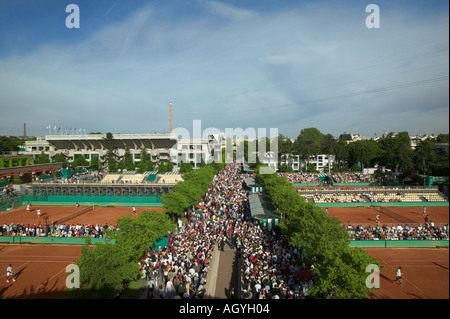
{"x":392,"y":151}
{"x":193,"y":187}
{"x":339,"y":270}
{"x":107,"y":267}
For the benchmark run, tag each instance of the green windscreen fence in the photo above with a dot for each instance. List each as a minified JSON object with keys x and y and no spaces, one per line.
{"x":161,"y":243}
{"x":384,"y":204}
{"x":399,"y":243}
{"x":107,"y":200}
{"x":7,"y":203}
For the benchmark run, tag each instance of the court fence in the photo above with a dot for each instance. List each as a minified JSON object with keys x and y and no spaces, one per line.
{"x":163,"y":242}
{"x":399,"y":243}
{"x":43,"y":240}
{"x":385,"y":204}
{"x":98,"y":200}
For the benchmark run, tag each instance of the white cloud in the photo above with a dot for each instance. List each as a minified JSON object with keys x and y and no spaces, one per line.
{"x":229,"y":11}
{"x":288,"y":65}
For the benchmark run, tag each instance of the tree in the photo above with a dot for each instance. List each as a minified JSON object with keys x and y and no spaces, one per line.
{"x":42,"y":159}
{"x":395,"y":151}
{"x":175,"y":203}
{"x":363,"y":151}
{"x":80,"y":161}
{"x":109,"y":141}
{"x":121,"y":165}
{"x":165,"y":167}
{"x":112,"y":163}
{"x":10,"y":143}
{"x":145,"y":165}
{"x":106,"y":267}
{"x":309,"y":142}
{"x":95,"y":163}
{"x":138,"y":234}
{"x":60,"y":158}
{"x":128,"y":160}
{"x":342,"y":154}
{"x":339,"y":269}
{"x":442,"y":138}
{"x":285,"y":144}
{"x":185,"y":168}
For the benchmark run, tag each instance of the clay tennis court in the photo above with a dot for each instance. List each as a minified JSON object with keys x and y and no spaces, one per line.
{"x":41,"y":268}
{"x":389,"y":215}
{"x":425,"y":273}
{"x":99,"y":215}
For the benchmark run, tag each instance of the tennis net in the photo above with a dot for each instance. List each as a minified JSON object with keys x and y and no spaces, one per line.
{"x":75,"y":214}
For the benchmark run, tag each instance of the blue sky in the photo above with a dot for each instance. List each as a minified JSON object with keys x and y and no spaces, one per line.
{"x":231,"y":64}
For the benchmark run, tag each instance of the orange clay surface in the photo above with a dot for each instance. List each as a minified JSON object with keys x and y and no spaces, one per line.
{"x":40,"y":269}
{"x":389,"y":215}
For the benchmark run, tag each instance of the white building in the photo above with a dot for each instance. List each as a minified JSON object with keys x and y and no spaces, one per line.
{"x":159,"y":147}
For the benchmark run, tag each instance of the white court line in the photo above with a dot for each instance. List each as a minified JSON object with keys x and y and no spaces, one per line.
{"x":406,"y":279}
{"x":16,"y":268}
{"x":45,"y":282}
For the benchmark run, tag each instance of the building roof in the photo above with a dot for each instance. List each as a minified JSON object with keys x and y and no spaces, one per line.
{"x":261,"y":207}
{"x":120,"y":141}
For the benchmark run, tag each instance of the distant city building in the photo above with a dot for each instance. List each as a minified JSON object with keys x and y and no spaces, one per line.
{"x":349,"y":137}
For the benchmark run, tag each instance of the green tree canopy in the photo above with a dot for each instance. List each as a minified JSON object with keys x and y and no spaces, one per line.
{"x":42,"y":159}
{"x":105,"y":267}
{"x":79,"y":161}
{"x":364,"y":151}
{"x":339,"y":269}
{"x":60,"y":158}
{"x":175,"y":203}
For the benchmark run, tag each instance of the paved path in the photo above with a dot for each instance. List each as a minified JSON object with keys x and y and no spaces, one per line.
{"x":226,"y":279}
{"x":222,"y":275}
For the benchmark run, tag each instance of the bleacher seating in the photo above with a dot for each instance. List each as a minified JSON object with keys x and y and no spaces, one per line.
{"x":169,"y":179}
{"x":378,"y":196}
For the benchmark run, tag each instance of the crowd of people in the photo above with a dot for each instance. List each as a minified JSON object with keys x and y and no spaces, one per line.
{"x":352,"y":177}
{"x":301,"y":178}
{"x":309,"y":178}
{"x":399,"y":232}
{"x":223,"y":217}
{"x":56,"y":230}
{"x":350,"y":197}
{"x":270,"y":266}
